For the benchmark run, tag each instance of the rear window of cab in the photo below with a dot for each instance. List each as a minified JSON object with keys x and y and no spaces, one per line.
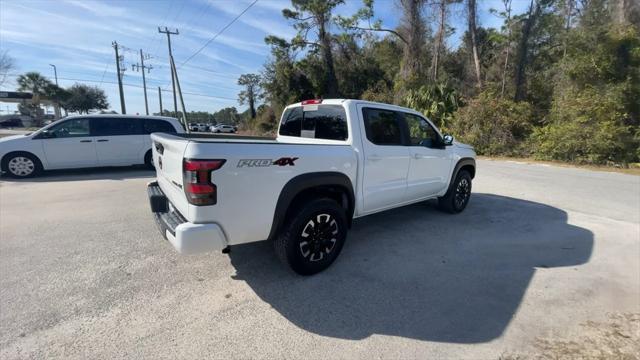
{"x":315,"y":121}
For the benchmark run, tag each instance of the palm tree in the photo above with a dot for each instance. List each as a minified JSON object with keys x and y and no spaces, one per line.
{"x":33,"y":82}
{"x":36,"y":84}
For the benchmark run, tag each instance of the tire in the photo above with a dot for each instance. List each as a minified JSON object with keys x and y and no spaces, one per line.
{"x":148,"y":160}
{"x":458,"y":195}
{"x":308,"y":257}
{"x":21,"y":165}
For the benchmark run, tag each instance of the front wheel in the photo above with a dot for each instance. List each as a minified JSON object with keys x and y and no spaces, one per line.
{"x":458,"y":195}
{"x":21,"y":165}
{"x":312,"y":240}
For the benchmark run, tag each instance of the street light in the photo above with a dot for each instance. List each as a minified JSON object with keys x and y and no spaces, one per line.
{"x":55,"y":72}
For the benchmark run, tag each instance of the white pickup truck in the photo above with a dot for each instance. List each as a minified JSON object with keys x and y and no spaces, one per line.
{"x":332,"y":161}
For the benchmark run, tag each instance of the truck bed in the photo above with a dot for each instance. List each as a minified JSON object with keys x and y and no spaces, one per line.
{"x":202,"y":137}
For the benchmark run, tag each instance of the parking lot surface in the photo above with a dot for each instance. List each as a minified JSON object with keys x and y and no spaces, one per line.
{"x":540,"y":252}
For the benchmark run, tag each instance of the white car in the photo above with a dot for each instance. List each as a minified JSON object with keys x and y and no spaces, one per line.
{"x":222,"y":128}
{"x":333,"y":161}
{"x":199,"y":127}
{"x":84,"y":141}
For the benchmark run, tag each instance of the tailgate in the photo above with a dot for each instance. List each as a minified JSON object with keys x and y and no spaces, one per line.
{"x":168,"y":154}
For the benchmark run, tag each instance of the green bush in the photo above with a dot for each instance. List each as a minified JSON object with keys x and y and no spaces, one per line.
{"x":438,"y":102}
{"x":588,"y":126}
{"x":494,"y":126}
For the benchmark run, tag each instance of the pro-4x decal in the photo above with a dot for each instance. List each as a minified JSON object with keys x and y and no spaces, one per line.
{"x":283,"y":161}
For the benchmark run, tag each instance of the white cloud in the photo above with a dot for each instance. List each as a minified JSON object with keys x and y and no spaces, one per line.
{"x":98,"y":8}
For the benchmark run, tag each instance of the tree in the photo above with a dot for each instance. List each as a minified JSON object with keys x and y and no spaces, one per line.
{"x":251,"y":93}
{"x":6,"y":65}
{"x":438,"y":44}
{"x":83,"y":98}
{"x":283,"y":82}
{"x":310,"y":15}
{"x":37,"y":85}
{"x":413,"y":30}
{"x":33,"y":82}
{"x":228,"y":115}
{"x":533,"y":13}
{"x":472,"y":14}
{"x":410,"y":33}
{"x":507,"y":16}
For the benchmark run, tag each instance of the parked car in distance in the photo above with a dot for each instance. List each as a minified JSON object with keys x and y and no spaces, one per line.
{"x":11,"y":122}
{"x":198,"y":127}
{"x":84,"y":141}
{"x":223,"y":128}
{"x":332,"y":161}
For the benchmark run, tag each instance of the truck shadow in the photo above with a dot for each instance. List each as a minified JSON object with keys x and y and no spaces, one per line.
{"x":418,"y":273}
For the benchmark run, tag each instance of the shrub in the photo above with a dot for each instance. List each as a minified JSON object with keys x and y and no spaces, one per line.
{"x":438,"y":102}
{"x":494,"y":126}
{"x":588,"y":126}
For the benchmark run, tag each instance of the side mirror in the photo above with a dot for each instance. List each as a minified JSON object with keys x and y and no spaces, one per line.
{"x":447,"y":140}
{"x":46,"y":134}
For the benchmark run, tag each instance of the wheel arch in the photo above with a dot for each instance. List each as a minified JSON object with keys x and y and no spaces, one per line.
{"x":468,"y":164}
{"x":299,"y":189}
{"x":5,"y":158}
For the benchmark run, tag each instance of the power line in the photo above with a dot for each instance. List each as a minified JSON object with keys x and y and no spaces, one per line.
{"x":106,"y":66}
{"x":218,"y":33}
{"x":140,"y":87}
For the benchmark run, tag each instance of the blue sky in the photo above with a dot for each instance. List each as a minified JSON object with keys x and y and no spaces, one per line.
{"x":76,"y":36}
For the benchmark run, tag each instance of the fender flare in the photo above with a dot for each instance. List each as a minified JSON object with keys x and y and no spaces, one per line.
{"x":462,"y":162}
{"x":303,"y":182}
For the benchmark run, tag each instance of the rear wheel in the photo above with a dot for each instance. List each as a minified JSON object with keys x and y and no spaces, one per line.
{"x":148,"y":160}
{"x":21,"y":165}
{"x":312,"y":240}
{"x":457,"y":198}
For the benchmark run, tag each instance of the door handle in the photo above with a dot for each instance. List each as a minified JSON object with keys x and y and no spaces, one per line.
{"x":85,"y":140}
{"x":418,"y":156}
{"x":374,"y":157}
{"x":102,"y":140}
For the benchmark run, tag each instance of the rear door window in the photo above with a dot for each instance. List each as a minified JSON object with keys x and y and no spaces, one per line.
{"x":154,"y":125}
{"x":382,"y":126}
{"x":318,"y":122}
{"x":115,"y":126}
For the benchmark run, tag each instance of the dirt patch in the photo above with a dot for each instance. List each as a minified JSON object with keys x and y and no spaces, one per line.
{"x":617,"y":338}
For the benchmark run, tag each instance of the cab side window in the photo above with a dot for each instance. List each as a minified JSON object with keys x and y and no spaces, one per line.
{"x":70,"y":128}
{"x":382,"y":126}
{"x":421,"y":133}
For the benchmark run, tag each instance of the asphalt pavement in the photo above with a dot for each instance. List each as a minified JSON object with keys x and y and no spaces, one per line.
{"x":539,"y":252}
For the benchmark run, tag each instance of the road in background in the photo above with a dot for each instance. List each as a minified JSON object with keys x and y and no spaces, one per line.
{"x":539,"y":252}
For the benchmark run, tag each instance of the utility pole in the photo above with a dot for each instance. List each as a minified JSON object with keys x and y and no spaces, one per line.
{"x":144,"y":80}
{"x":160,"y":98}
{"x":173,"y":79}
{"x":118,"y":59}
{"x":55,"y":73}
{"x":184,"y":110}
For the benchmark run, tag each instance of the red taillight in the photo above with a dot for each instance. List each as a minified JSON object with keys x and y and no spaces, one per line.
{"x":198,"y":185}
{"x":312,"y":102}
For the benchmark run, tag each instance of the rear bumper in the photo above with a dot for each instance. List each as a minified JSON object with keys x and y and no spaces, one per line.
{"x":186,"y":237}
